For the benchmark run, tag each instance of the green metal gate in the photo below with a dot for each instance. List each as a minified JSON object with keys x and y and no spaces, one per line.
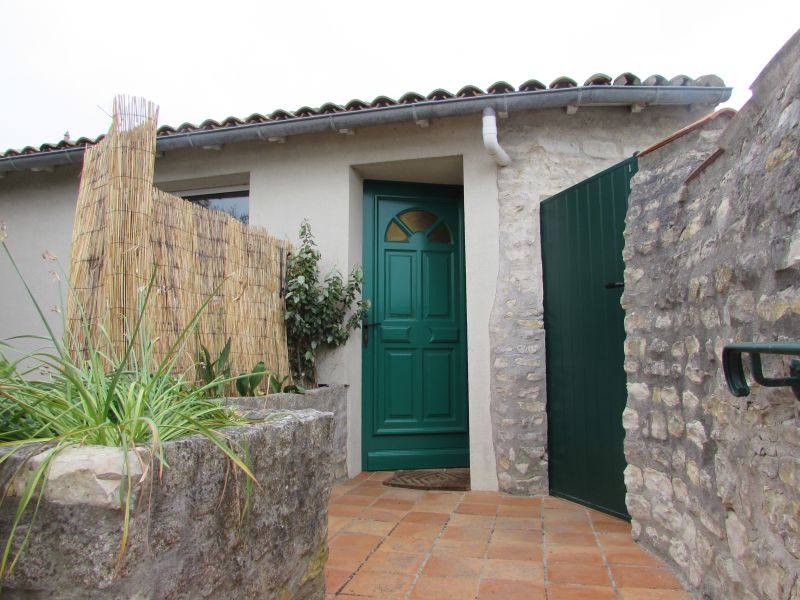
{"x":582,"y":239}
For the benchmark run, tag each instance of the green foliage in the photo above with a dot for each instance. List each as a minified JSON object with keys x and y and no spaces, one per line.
{"x":283,"y":385}
{"x":317,"y":311}
{"x":90,"y":395}
{"x":213,"y":372}
{"x":247,"y":383}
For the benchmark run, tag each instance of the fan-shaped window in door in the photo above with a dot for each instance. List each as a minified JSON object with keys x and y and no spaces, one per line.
{"x":407,"y":223}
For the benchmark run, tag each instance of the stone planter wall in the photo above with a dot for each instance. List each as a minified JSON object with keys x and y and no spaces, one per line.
{"x":188,"y":538}
{"x":327,"y":399}
{"x":712,"y":252}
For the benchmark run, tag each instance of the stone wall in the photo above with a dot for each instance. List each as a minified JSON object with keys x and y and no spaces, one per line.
{"x":331,"y":399}
{"x":712,"y":253}
{"x":191,"y":536}
{"x":550,"y":151}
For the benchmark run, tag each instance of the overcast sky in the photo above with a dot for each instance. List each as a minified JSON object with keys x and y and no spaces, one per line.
{"x":65,"y":61}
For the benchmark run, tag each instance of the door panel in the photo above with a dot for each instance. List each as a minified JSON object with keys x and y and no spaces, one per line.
{"x":415,"y":370}
{"x":582,"y":237}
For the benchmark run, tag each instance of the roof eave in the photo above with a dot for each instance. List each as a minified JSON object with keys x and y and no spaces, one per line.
{"x":419,"y":111}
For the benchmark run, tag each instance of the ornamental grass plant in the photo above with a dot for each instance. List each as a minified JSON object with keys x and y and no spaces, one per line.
{"x":62,"y":395}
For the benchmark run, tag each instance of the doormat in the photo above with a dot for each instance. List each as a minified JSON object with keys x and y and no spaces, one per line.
{"x":450,"y":480}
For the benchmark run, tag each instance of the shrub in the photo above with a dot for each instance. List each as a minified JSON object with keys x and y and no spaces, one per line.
{"x":317,"y":312}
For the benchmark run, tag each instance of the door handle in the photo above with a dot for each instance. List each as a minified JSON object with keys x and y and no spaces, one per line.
{"x":615,"y":284}
{"x":365,"y":331}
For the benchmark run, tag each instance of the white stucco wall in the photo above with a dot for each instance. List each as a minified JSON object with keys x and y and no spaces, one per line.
{"x":320,"y":177}
{"x":38,"y":210}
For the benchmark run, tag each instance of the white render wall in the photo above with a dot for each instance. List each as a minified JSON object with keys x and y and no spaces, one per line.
{"x":320,"y":177}
{"x":311,"y":177}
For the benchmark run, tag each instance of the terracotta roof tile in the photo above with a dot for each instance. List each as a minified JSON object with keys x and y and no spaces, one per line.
{"x":437,"y":95}
{"x":598,"y":79}
{"x":563,"y":83}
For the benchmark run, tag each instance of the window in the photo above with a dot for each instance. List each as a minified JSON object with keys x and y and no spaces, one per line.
{"x":234,"y":203}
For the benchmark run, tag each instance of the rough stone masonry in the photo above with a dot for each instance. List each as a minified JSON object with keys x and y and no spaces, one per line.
{"x":196,"y":532}
{"x":550,"y":151}
{"x":712,"y":252}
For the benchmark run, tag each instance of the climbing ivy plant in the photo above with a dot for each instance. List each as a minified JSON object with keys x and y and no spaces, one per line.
{"x":318,"y":312}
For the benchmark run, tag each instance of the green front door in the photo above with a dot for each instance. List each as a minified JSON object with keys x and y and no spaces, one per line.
{"x":582,"y":238}
{"x":414,"y":350}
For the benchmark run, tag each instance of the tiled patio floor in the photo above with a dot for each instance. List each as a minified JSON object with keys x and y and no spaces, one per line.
{"x":408,"y":544}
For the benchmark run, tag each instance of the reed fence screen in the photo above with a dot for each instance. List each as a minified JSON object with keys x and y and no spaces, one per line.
{"x":125,"y":230}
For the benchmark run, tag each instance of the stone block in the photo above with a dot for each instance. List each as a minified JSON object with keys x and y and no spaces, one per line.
{"x":194,"y":533}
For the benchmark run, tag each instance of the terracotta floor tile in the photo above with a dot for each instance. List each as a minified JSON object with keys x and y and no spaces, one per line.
{"x":477,"y":509}
{"x":344,"y":560}
{"x":481,"y":521}
{"x":380,"y":528}
{"x":466,"y":534}
{"x":644,"y":577}
{"x":363,"y":490}
{"x":567,"y":538}
{"x":617,"y":540}
{"x":355,"y":541}
{"x":381,"y":475}
{"x":407,"y":544}
{"x":520,"y":501}
{"x":416,"y":531}
{"x":572,"y":554}
{"x":382,"y":514}
{"x":394,"y":562}
{"x":444,"y":565}
{"x":337,"y":523}
{"x":345,"y":510}
{"x":568,"y":526}
{"x":572,"y":516}
{"x":553,"y":502}
{"x":514,"y":551}
{"x":403,"y":494}
{"x":456,"y":548}
{"x":517,"y":535}
{"x":379,"y":585}
{"x":426,"y":518}
{"x":643,"y":594}
{"x":631,"y":556}
{"x":437,"y":495}
{"x":444,"y":588}
{"x":335,"y":578}
{"x":348,"y":500}
{"x":557,"y":591}
{"x":483,"y":497}
{"x":518,"y":523}
{"x":577,"y":572}
{"x":516,"y":570}
{"x":499,"y":589}
{"x":435,"y":506}
{"x":511,"y":510}
{"x":393,"y":504}
{"x":608,"y":527}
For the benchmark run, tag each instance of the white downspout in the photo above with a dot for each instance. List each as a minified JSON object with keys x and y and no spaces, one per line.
{"x":490,"y":142}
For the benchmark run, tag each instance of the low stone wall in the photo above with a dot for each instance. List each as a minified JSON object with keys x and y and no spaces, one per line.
{"x":190,"y":536}
{"x":331,"y":399}
{"x":712,"y":252}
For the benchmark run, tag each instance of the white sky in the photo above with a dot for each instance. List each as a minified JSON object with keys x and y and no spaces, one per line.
{"x":63,"y":62}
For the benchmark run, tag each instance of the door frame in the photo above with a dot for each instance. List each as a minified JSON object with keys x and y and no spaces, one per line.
{"x":372,"y":188}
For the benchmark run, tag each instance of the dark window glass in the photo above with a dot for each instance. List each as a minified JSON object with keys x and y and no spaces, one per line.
{"x":236,"y":204}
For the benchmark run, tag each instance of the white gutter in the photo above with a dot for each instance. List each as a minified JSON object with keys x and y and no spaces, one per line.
{"x":490,"y":142}
{"x":601,"y":95}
